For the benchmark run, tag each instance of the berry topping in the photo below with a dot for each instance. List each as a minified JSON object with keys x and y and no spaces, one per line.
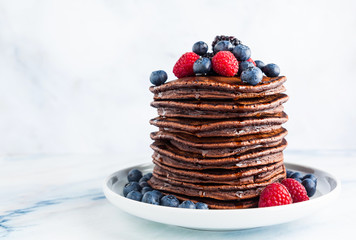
{"x":130,"y":187}
{"x":242,"y":52}
{"x":158,"y":77}
{"x":184,"y":65}
{"x":289,"y":173}
{"x":151,"y":197}
{"x":252,"y":75}
{"x":223,"y":46}
{"x":146,"y":189}
{"x":202,"y":66}
{"x":187,"y":204}
{"x":310,"y":186}
{"x":260,"y":64}
{"x":274,"y":194}
{"x":200,"y":48}
{"x":296,"y":190}
{"x":134,"y":195}
{"x":250,"y":60}
{"x":200,"y":205}
{"x":169,"y":201}
{"x":244,"y":65}
{"x":271,"y":70}
{"x":234,"y":41}
{"x":225,"y":64}
{"x":134,"y":175}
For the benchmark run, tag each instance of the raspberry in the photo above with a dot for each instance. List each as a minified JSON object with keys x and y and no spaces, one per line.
{"x":274,"y":194}
{"x":250,"y":60}
{"x":296,"y":190}
{"x":184,"y":65}
{"x":225,"y":63}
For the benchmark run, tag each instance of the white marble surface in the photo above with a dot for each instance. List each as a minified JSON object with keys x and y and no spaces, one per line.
{"x":60,"y":197}
{"x":74,"y":73}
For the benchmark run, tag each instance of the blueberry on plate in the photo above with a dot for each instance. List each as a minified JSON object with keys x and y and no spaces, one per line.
{"x":202,"y":66}
{"x":242,"y":52}
{"x":158,"y":77}
{"x":146,"y":189}
{"x":252,"y":75}
{"x":310,"y":176}
{"x":143,"y":183}
{"x":200,"y":48}
{"x":169,"y":201}
{"x":271,"y":70}
{"x":134,"y":195}
{"x":151,"y":198}
{"x":157,"y":193}
{"x":289,"y":173}
{"x":260,"y":64}
{"x":200,"y":205}
{"x":187,"y":204}
{"x":134,"y":175}
{"x":297,"y":175}
{"x":310,"y":186}
{"x":298,"y":180}
{"x":147,"y":176}
{"x":223,"y":46}
{"x":130,"y":187}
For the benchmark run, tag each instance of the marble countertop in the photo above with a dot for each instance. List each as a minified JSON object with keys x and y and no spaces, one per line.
{"x":60,"y":197}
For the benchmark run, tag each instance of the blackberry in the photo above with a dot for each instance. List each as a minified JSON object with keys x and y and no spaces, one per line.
{"x":234,"y":41}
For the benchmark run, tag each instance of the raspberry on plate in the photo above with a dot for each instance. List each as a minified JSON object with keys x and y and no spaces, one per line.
{"x":296,"y":190}
{"x":274,"y":194}
{"x":184,"y":65}
{"x":225,"y":64}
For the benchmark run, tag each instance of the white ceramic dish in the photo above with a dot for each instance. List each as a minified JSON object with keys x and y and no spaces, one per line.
{"x":328,"y":189}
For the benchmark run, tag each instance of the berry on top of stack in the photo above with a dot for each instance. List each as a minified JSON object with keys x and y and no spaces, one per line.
{"x":220,"y":139}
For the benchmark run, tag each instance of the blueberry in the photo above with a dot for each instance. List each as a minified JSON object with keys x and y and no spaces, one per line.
{"x":158,"y":193}
{"x":158,"y":77}
{"x":298,"y":180}
{"x":134,"y":195}
{"x":130,"y":187}
{"x":134,"y":175}
{"x":169,"y":201}
{"x":223,"y":46}
{"x":187,"y":204}
{"x":310,"y":186}
{"x":200,"y":48}
{"x":296,"y":175}
{"x":252,"y":75}
{"x":271,"y":70}
{"x":146,"y":189}
{"x":310,"y":176}
{"x":202,"y":66}
{"x":147,"y":176}
{"x":260,"y":64}
{"x":244,"y":65}
{"x":242,"y":52}
{"x":200,"y":205}
{"x":143,"y":183}
{"x":150,"y":197}
{"x":289,"y":173}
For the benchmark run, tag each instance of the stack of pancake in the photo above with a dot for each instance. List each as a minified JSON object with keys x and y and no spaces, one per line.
{"x":220,"y":140}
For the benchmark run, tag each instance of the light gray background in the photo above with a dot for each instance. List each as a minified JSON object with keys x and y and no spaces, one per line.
{"x":74,"y":75}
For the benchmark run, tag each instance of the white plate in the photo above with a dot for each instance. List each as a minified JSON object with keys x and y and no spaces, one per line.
{"x":328,"y":189}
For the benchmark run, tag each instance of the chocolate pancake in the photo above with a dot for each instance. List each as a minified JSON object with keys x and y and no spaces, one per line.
{"x":215,"y":87}
{"x":221,"y":127}
{"x":219,"y":176}
{"x":219,"y":192}
{"x":171,"y":156}
{"x":221,"y":109}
